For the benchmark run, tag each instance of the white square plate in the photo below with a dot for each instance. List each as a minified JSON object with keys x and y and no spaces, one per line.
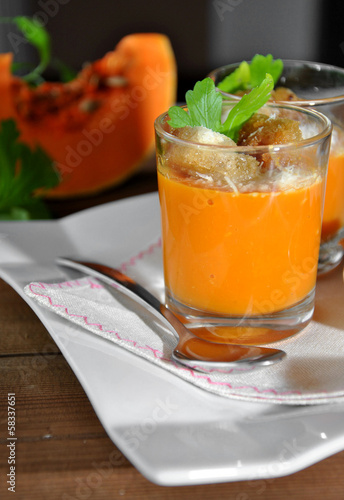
{"x":171,"y":431}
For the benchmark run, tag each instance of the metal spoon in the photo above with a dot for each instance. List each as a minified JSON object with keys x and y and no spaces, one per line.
{"x":191,"y":351}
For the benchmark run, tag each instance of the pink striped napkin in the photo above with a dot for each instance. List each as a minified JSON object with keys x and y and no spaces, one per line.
{"x":312,"y":373}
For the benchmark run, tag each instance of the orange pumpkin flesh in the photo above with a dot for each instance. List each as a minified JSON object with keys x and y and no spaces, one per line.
{"x":99,"y":127}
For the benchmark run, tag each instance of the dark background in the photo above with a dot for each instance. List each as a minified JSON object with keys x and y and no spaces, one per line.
{"x":204,"y":33}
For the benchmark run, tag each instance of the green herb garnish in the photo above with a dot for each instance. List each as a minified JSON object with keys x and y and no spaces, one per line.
{"x":204,"y":108}
{"x":35,"y":33}
{"x":250,"y":75}
{"x":22,"y":172}
{"x":204,"y":105}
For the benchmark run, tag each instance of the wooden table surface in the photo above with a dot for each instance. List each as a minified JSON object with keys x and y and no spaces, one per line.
{"x":63,"y":452}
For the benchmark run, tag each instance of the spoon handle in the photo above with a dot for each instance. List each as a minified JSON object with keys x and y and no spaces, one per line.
{"x":191,"y":351}
{"x":122,"y":280}
{"x":114,"y":276}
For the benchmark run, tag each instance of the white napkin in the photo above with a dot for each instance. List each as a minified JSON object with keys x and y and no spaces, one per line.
{"x":312,"y":373}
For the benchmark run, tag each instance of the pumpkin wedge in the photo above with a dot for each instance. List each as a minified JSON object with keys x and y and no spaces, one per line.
{"x":98,"y":128}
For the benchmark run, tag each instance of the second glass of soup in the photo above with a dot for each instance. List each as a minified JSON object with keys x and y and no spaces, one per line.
{"x":321,"y":87}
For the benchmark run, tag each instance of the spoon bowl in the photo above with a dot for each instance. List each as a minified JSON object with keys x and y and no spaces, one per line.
{"x":191,"y":351}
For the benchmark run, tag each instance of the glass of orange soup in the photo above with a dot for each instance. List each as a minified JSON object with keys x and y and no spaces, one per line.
{"x":241,"y":224}
{"x":321,"y":87}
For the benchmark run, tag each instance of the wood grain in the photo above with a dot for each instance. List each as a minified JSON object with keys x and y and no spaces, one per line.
{"x":21,"y":331}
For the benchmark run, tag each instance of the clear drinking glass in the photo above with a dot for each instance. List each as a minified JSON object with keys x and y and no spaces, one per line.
{"x":241,"y":243}
{"x":321,"y":87}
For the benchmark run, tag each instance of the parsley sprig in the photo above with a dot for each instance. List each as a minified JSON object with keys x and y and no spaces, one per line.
{"x":26,"y":173}
{"x":204,"y":108}
{"x":35,"y":33}
{"x":250,"y":75}
{"x":22,"y":172}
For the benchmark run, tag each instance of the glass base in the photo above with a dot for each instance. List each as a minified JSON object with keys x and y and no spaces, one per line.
{"x":330,"y":256}
{"x":248,"y":330}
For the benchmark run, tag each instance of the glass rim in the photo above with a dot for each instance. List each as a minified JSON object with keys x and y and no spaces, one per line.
{"x":324,"y":133}
{"x":301,"y":102}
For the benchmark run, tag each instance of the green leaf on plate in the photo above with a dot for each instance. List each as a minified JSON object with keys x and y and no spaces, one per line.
{"x":23,"y":171}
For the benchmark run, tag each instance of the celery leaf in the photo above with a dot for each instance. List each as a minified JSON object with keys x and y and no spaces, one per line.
{"x":250,"y":75}
{"x":246,"y":107}
{"x":204,"y":108}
